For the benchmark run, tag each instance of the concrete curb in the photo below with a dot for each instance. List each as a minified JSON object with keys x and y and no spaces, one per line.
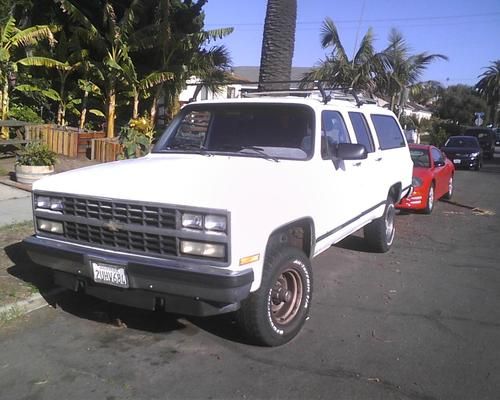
{"x":33,"y":303}
{"x":22,"y":186}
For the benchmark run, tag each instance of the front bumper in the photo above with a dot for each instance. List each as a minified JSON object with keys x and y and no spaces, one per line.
{"x":415,"y":201}
{"x":174,"y":286}
{"x":465,"y":162}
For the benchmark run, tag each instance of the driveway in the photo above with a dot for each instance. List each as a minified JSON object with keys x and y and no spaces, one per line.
{"x":420,"y":322}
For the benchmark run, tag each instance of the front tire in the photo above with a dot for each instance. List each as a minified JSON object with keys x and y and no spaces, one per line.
{"x":448,"y":194}
{"x":430,"y":200}
{"x":276,"y":312}
{"x":379,"y":234}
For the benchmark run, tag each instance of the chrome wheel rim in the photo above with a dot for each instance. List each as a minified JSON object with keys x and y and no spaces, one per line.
{"x":430,"y":200}
{"x":389,"y":223}
{"x":286,"y":296}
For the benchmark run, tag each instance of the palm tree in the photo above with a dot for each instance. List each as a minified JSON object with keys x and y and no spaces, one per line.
{"x":11,"y":39}
{"x":338,"y":70}
{"x":180,"y":48}
{"x":278,"y":43}
{"x":403,"y":69}
{"x":489,"y":87}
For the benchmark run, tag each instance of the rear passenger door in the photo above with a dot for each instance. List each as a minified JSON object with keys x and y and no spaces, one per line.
{"x":394,"y":159}
{"x":371,"y":191}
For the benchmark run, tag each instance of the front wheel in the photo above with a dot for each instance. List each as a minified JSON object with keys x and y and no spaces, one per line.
{"x":379,"y":234}
{"x":430,"y":200}
{"x":275,"y":313}
{"x":448,"y":194}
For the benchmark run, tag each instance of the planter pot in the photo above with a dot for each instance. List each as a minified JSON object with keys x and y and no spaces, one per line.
{"x":31,"y":173}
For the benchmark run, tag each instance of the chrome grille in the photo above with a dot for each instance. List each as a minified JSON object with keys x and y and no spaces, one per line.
{"x":121,"y":240}
{"x":127,"y":213}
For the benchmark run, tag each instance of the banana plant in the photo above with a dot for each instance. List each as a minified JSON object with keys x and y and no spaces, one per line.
{"x":12,"y":39}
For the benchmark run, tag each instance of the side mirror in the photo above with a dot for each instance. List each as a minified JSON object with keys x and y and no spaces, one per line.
{"x":350,"y":151}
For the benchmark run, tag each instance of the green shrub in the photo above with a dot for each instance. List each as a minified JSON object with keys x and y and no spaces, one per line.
{"x":36,"y":154}
{"x":24,"y":113}
{"x":136,"y":138}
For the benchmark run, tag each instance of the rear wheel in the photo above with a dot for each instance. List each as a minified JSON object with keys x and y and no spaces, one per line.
{"x":450,"y":189}
{"x":274,"y":314}
{"x":379,"y":234}
{"x":430,"y":200}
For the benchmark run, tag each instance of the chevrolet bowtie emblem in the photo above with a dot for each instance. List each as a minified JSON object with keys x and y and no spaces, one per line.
{"x":112,"y":226}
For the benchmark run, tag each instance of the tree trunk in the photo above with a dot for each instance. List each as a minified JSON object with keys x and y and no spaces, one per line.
{"x":83,"y":114}
{"x":154,"y":105}
{"x":278,"y":44}
{"x":110,"y":113}
{"x":5,"y":108}
{"x":135,"y":111}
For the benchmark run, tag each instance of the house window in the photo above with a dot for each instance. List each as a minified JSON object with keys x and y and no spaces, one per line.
{"x":231,"y":92}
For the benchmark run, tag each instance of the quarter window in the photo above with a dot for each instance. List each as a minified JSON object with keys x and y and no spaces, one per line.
{"x":388,"y":132}
{"x":362,"y":131}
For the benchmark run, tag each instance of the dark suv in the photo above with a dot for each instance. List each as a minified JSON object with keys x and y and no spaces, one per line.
{"x":464,"y":151}
{"x":486,"y":137}
{"x":497,"y":140}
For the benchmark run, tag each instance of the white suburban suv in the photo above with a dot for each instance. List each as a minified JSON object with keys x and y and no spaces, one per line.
{"x":227,"y":211}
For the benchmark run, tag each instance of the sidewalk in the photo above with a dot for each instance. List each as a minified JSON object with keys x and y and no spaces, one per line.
{"x":24,"y":285}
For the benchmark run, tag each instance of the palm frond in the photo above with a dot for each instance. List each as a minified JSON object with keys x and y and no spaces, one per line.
{"x":330,"y":38}
{"x":32,"y":35}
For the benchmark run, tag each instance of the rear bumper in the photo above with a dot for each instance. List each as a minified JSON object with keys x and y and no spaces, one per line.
{"x":153,"y":283}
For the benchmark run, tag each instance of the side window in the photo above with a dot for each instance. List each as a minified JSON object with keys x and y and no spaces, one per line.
{"x":333,"y":129}
{"x":362,"y":131}
{"x":191,"y":131}
{"x":436,"y":155}
{"x":388,"y":132}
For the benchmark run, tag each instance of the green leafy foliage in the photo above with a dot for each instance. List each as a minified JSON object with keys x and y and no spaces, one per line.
{"x":25,"y":113}
{"x":136,"y":137}
{"x":36,"y":154}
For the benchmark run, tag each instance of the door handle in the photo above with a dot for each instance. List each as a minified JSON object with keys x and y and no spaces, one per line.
{"x":357,"y":164}
{"x":378,"y":159}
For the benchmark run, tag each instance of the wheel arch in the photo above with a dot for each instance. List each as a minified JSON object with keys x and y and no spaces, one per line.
{"x":299,"y":234}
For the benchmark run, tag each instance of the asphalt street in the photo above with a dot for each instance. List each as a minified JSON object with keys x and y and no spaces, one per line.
{"x":421,"y":322}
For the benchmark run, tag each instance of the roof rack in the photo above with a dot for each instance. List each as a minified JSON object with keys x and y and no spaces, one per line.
{"x":327,"y":93}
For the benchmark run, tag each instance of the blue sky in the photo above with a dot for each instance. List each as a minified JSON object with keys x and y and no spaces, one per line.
{"x":466,"y":31}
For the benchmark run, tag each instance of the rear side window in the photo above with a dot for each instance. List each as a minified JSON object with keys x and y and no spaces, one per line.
{"x":388,"y":132}
{"x":363,"y":134}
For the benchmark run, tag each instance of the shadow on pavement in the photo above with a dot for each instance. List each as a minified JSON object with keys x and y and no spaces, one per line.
{"x":93,"y":309}
{"x":26,"y":270}
{"x":355,"y":243}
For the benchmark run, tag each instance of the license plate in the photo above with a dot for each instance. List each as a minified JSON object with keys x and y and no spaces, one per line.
{"x":457,"y":161}
{"x":110,"y":274}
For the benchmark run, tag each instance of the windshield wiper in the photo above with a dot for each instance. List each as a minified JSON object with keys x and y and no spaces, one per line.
{"x":258,"y":151}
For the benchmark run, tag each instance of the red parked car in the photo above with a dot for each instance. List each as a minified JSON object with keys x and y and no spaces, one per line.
{"x":432,"y":178}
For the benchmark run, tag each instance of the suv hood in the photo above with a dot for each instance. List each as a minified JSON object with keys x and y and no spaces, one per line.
{"x":179,"y":179}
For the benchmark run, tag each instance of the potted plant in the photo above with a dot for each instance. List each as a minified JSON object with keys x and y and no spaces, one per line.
{"x":35,"y":161}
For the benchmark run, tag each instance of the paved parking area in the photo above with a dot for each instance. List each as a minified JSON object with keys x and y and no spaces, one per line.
{"x":421,"y":322}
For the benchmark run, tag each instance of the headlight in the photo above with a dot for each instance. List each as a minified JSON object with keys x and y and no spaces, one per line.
{"x":416,"y":182}
{"x":193,"y":221}
{"x":50,"y":226}
{"x":203,"y":249}
{"x":474,"y":155}
{"x":49,"y":203}
{"x":216,"y":223}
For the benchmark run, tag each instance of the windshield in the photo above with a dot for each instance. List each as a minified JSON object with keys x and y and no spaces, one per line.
{"x":257,"y":130}
{"x":462,"y":142}
{"x":420,"y":158}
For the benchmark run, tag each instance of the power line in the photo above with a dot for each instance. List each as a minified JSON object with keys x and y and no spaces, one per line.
{"x":401,"y":19}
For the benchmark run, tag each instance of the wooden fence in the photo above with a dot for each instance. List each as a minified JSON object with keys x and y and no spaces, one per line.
{"x":106,"y":150}
{"x":70,"y":142}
